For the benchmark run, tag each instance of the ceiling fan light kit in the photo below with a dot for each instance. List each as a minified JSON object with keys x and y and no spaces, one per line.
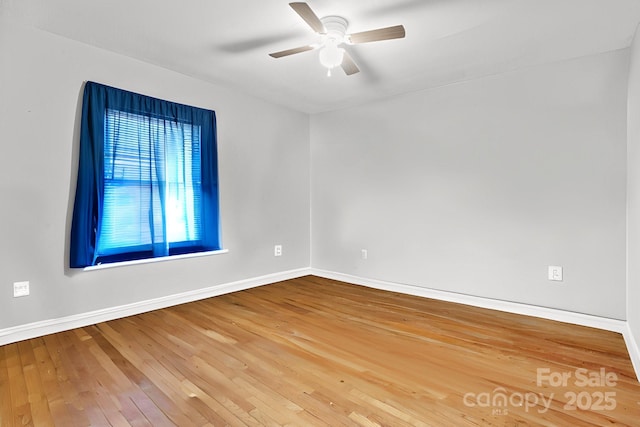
{"x":333,"y":32}
{"x":331,"y":56}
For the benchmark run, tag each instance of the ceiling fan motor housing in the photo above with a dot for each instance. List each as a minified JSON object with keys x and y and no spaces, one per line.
{"x":336,"y":28}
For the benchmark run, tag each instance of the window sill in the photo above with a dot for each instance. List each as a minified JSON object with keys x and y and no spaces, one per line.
{"x":152,"y":260}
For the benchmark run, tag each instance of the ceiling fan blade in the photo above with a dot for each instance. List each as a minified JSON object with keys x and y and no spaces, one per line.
{"x":291,"y":51}
{"x":395,"y":32}
{"x":348,"y":65}
{"x":309,"y":16}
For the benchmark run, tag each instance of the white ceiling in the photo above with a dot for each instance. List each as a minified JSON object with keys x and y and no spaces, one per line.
{"x":227,"y":42}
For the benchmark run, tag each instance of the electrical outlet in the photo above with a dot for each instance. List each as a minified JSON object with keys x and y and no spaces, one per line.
{"x":277,"y":250}
{"x":364,"y":254}
{"x":555,"y":273}
{"x":20,"y":289}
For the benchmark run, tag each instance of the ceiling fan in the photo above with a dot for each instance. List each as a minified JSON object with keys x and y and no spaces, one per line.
{"x":333,"y":32}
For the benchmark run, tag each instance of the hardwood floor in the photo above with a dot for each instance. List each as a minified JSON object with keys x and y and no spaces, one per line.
{"x":315,"y":352}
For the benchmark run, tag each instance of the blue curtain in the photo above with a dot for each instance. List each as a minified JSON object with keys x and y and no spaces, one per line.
{"x":147,"y":168}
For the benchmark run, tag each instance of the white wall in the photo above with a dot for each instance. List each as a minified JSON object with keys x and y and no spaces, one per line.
{"x":264,"y":175}
{"x":477,"y":187}
{"x":633,"y":207}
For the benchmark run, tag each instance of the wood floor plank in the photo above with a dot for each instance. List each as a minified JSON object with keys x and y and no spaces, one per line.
{"x":82,"y":385}
{"x":20,"y":408}
{"x":50,"y":385}
{"x":317,"y":352}
{"x":6,"y":408}
{"x":38,"y":402}
{"x":64,"y":398}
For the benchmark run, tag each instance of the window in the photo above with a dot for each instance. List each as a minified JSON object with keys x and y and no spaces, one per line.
{"x":147,"y":179}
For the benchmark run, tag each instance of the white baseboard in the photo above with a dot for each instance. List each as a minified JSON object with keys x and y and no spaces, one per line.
{"x":38,"y":329}
{"x":603,"y":323}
